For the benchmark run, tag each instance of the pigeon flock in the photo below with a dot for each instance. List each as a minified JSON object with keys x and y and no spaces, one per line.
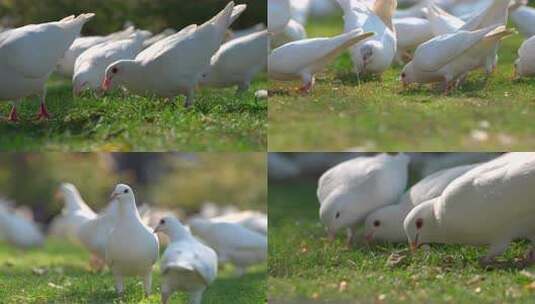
{"x":127,"y":240}
{"x":437,"y":41}
{"x":166,"y":65}
{"x":482,"y":204}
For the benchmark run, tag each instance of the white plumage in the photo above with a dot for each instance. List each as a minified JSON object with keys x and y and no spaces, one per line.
{"x":29,"y":54}
{"x":302,"y":59}
{"x":353,"y":189}
{"x":279,"y":13}
{"x":525,"y":64}
{"x":238,"y":61}
{"x":524,"y":20}
{"x":374,"y":55}
{"x":252,"y":220}
{"x":17,"y":230}
{"x":292,"y":32}
{"x":233,"y":242}
{"x":174,"y":65}
{"x":491,"y":204}
{"x":131,"y":248}
{"x":411,"y":32}
{"x":386,"y":224}
{"x":187,"y":264}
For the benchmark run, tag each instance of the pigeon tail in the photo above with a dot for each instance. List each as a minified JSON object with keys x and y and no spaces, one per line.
{"x":355,"y":37}
{"x":76,"y":23}
{"x":236,"y":12}
{"x":498,"y":33}
{"x":496,"y":13}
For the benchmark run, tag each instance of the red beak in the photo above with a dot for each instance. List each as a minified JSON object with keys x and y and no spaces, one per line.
{"x":106,"y":84}
{"x":369,"y":237}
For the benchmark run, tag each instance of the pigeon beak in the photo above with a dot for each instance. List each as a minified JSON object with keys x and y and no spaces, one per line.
{"x":369,"y":237}
{"x":58,"y":195}
{"x":515,"y":73}
{"x":157,"y":229}
{"x":331,"y":236}
{"x":106,"y":84}
{"x":113,"y":196}
{"x":414,"y":244}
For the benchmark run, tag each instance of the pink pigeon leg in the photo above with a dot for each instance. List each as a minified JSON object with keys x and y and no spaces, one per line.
{"x":43,"y":112}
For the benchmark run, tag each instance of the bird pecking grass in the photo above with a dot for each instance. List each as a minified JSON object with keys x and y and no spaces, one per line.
{"x":59,"y":273}
{"x":305,"y":268}
{"x":219,"y":121}
{"x":343,"y":111}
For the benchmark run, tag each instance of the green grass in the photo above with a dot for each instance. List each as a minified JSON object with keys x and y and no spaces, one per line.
{"x":219,"y":121}
{"x":59,"y":273}
{"x":344,"y":112}
{"x":305,"y":268}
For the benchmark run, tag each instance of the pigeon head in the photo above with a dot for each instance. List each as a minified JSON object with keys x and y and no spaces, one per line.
{"x":81,"y":81}
{"x":116,"y":73}
{"x":420,"y":225}
{"x":337,"y":214}
{"x":385,"y":224}
{"x":406,"y":76}
{"x":171,"y":227}
{"x":368,"y":52}
{"x":518,"y":70}
{"x":122,"y":192}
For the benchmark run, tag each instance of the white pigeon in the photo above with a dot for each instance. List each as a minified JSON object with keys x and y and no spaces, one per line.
{"x":292,"y":32}
{"x":17,"y":230}
{"x":351,"y":190}
{"x":299,"y":10}
{"x":93,"y":234}
{"x":524,"y":20}
{"x":187,"y":264}
{"x":65,"y":65}
{"x":374,"y":55}
{"x":386,"y":224}
{"x":304,"y":58}
{"x":448,"y":57}
{"x":232,"y":242}
{"x":152,"y":40}
{"x":279,"y":14}
{"x":525,"y":64}
{"x":175,"y":64}
{"x":491,"y":204}
{"x":441,"y":21}
{"x":237,"y":62}
{"x":252,"y":220}
{"x":91,"y":65}
{"x":411,"y":32}
{"x":74,"y":213}
{"x":29,"y":54}
{"x":417,"y":10}
{"x":247,"y":31}
{"x":132,"y":247}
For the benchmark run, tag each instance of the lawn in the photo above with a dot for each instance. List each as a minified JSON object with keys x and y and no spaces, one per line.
{"x":219,"y":121}
{"x":345,"y":112}
{"x":305,"y":268}
{"x":59,"y":273}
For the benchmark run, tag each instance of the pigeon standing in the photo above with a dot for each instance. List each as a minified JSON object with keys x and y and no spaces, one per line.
{"x":132,"y":247}
{"x":491,"y":204}
{"x":187,"y":264}
{"x":91,"y":65}
{"x":525,"y":64}
{"x":28,"y":55}
{"x":353,"y":189}
{"x":375,"y":55}
{"x":17,"y":230}
{"x":175,"y":64}
{"x":304,"y":58}
{"x":238,"y":61}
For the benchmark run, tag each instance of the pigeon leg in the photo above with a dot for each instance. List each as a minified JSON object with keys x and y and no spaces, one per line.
{"x":147,"y":283}
{"x":309,"y":80}
{"x":446,"y":85}
{"x":13,"y":115}
{"x":166,"y":292}
{"x":196,"y":296}
{"x":495,"y":250}
{"x":96,"y":263}
{"x":189,"y":99}
{"x":43,"y":112}
{"x":351,"y":236}
{"x":119,"y":284}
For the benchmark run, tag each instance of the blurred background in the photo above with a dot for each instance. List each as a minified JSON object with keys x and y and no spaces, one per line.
{"x":111,"y":15}
{"x":182,"y":182}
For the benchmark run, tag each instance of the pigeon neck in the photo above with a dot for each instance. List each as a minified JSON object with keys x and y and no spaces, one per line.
{"x":128,"y":209}
{"x":72,"y":200}
{"x":178,"y":234}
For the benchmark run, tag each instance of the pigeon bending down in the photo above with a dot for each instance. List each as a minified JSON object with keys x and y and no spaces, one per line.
{"x":525,"y":64}
{"x":237,"y":62}
{"x":491,"y":204}
{"x":131,"y":247}
{"x":375,"y":55}
{"x":93,"y":234}
{"x":187,"y":264}
{"x":175,"y":64}
{"x":65,"y":66}
{"x":91,"y":65}
{"x":233,"y":242}
{"x":17,"y":230}
{"x":292,"y":32}
{"x":29,"y":54}
{"x":411,"y":32}
{"x":448,"y":57}
{"x":353,"y":189}
{"x":304,"y":58}
{"x":386,"y":224}
{"x":74,"y":213}
{"x":441,"y":21}
{"x":524,"y":20}
{"x":252,"y":220}
{"x":279,"y":14}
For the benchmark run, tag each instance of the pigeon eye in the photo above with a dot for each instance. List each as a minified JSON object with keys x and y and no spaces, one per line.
{"x":337,"y":214}
{"x":125,"y":191}
{"x":114,"y":70}
{"x":376,"y":223}
{"x":162,"y":222}
{"x":419,"y":223}
{"x":402,"y":75}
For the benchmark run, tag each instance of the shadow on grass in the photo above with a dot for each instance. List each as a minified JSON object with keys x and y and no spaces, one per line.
{"x":350,"y":78}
